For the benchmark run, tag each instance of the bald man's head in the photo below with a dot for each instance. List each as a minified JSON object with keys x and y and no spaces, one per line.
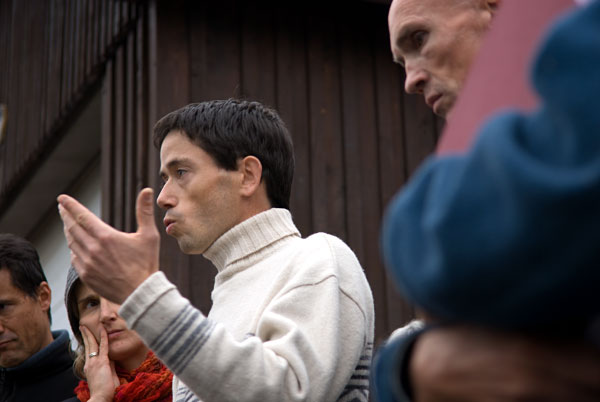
{"x":436,"y":41}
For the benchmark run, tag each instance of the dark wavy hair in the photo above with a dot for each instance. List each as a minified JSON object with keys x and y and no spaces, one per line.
{"x":21,"y":259}
{"x":229,"y":130}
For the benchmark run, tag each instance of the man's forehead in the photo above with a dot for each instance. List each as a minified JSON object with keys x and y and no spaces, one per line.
{"x":406,"y":9}
{"x":7,"y":286}
{"x":173,"y":140}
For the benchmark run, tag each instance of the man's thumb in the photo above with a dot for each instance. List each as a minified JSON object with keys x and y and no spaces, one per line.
{"x":144,"y":210}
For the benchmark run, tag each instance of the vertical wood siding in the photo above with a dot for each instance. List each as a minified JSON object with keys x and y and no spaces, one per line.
{"x":127,"y":153}
{"x":52,"y":57}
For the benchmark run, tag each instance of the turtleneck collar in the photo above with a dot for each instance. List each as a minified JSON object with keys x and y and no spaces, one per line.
{"x":250,"y":236}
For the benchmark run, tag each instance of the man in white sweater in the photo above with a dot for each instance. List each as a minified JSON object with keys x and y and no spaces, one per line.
{"x":292,"y":318}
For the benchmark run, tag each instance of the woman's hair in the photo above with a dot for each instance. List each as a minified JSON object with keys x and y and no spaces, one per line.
{"x":79,"y":361}
{"x":73,"y":283}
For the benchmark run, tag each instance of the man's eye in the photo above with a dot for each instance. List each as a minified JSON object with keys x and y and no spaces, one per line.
{"x":418,"y":38}
{"x":180,"y":172}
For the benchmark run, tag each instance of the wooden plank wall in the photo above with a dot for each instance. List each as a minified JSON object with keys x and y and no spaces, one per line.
{"x":330,"y":75}
{"x":52,"y":59}
{"x":126,"y":123}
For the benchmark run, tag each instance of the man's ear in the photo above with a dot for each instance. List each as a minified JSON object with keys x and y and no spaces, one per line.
{"x":251,"y":170}
{"x":44,"y":296}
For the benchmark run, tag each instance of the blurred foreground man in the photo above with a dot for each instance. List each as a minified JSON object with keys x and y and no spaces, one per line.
{"x":497,"y":245}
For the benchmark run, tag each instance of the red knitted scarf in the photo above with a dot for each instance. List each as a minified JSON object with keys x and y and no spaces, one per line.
{"x":148,"y":383}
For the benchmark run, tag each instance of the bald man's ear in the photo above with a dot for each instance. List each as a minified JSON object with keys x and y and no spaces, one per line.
{"x":251,"y":170}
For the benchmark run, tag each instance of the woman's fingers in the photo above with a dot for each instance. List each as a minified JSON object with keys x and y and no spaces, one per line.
{"x":99,"y":370}
{"x":89,"y":341}
{"x":103,"y":347}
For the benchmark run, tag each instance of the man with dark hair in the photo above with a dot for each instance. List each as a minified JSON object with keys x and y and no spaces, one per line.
{"x":35,"y":363}
{"x":238,"y":132}
{"x":292,"y":318}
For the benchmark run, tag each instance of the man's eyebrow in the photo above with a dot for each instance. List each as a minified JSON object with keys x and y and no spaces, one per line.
{"x":401,"y":39}
{"x":407,"y":30}
{"x":172,"y":163}
{"x":404,"y":34}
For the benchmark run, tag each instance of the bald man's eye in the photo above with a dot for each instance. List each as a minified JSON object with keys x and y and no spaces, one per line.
{"x":418,"y":38}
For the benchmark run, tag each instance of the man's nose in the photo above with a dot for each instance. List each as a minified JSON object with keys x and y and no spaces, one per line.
{"x":416,"y":79}
{"x":166,"y":199}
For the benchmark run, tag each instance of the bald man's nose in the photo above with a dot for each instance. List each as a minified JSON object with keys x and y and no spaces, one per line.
{"x":416,"y":78}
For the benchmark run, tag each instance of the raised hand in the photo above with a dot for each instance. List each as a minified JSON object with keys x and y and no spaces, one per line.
{"x":111,"y":262}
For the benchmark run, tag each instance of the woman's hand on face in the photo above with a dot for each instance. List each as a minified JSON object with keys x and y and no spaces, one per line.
{"x":99,"y":370}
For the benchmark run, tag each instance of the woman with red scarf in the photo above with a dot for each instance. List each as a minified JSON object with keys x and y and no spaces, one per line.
{"x":112,"y":360}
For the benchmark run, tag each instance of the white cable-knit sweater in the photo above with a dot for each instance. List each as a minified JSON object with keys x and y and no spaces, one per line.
{"x":292,"y":319}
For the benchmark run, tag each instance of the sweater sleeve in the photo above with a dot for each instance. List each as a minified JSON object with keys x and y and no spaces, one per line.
{"x":390,"y":377}
{"x":507,"y":234}
{"x":293,"y":356}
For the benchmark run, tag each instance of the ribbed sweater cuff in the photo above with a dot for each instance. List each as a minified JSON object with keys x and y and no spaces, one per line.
{"x":142,"y":298}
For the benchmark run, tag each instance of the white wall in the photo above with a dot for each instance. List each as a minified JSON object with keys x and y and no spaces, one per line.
{"x":52,"y":247}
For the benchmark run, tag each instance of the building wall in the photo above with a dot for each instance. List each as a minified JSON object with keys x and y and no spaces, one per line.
{"x":53,"y":57}
{"x":49,"y":240}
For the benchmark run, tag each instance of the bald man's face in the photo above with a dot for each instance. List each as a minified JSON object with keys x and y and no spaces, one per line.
{"x":436,"y":41}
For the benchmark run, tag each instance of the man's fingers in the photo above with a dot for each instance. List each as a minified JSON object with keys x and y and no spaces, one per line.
{"x":84,"y":232}
{"x":74,"y":233}
{"x":74,"y":214}
{"x":144,"y":211}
